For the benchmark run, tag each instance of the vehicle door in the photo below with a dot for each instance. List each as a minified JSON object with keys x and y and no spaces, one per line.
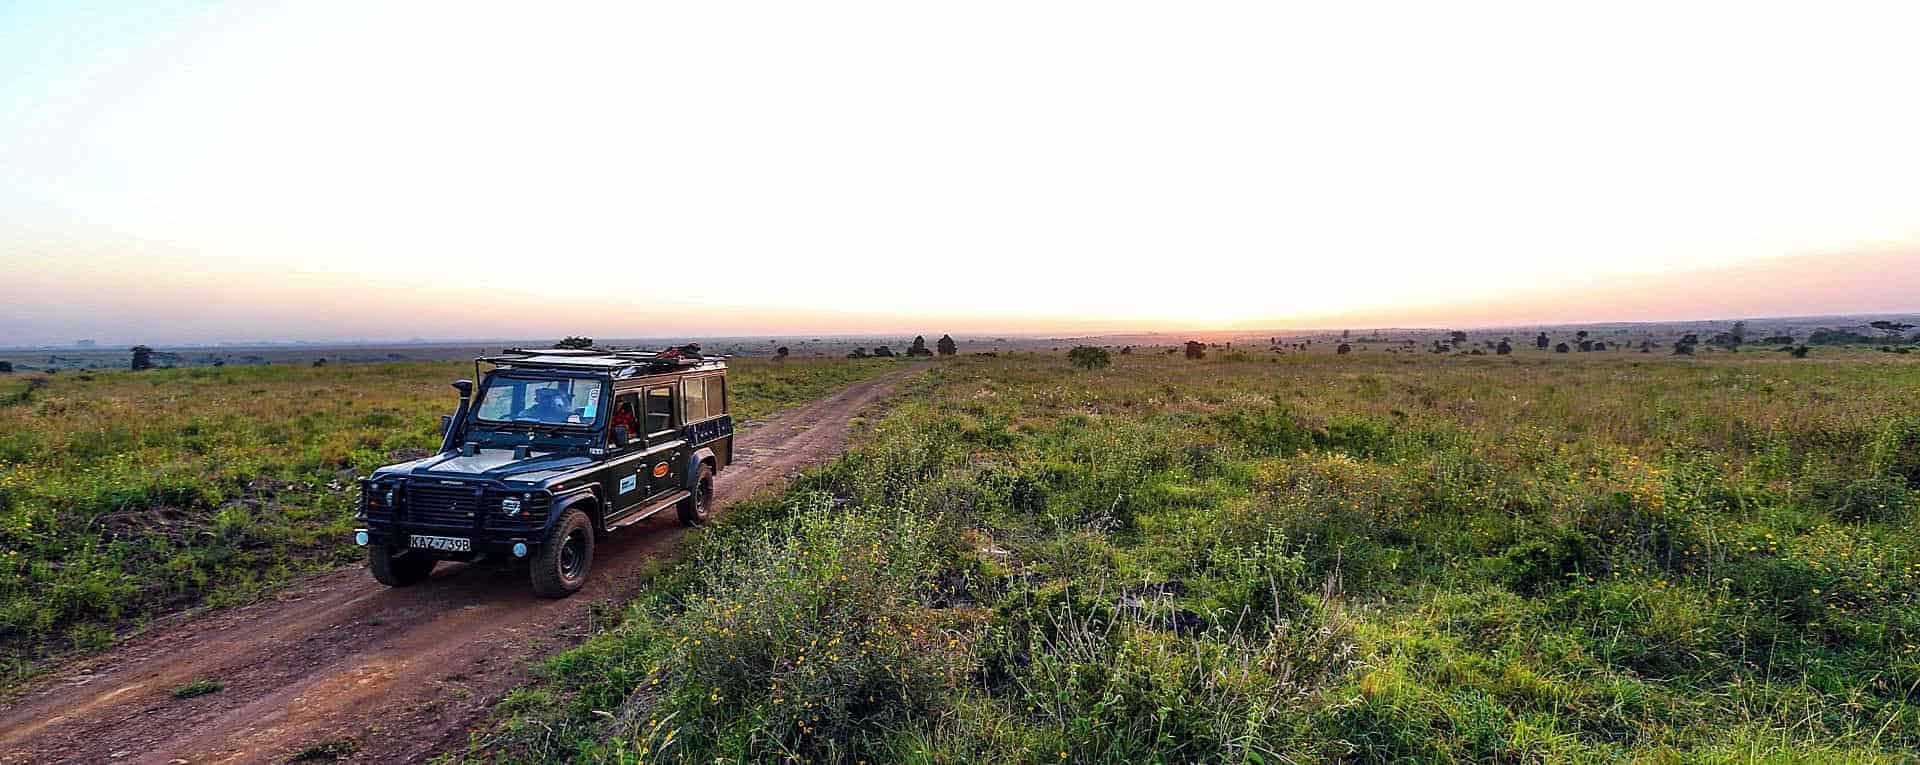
{"x":627,"y":474}
{"x":660,"y":418}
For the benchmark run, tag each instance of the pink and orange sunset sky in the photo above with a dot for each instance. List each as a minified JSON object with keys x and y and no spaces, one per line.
{"x":210,"y":171}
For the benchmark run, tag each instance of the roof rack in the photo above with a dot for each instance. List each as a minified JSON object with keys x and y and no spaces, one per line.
{"x":599,"y":359}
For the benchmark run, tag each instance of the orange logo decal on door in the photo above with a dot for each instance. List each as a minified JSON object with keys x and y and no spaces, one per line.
{"x":660,"y":470}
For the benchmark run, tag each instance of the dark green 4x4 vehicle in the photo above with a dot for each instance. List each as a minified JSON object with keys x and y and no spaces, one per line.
{"x":555,"y":448}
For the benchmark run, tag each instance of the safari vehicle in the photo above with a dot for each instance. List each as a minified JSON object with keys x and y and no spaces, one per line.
{"x":556,"y":448}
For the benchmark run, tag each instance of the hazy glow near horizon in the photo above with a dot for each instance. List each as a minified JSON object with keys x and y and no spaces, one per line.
{"x":212,"y":170}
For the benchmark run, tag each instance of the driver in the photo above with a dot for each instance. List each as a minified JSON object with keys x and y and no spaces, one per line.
{"x":546,"y":406}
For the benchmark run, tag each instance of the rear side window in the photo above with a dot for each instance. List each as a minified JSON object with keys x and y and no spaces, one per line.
{"x":716,"y":395}
{"x":695,"y":398}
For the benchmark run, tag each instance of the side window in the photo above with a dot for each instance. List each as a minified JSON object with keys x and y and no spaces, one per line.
{"x":716,"y":395}
{"x":659,"y":409}
{"x":695,"y":398}
{"x":626,"y":413}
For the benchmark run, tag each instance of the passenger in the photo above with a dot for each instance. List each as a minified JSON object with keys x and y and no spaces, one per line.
{"x":546,"y":406}
{"x":623,"y":416}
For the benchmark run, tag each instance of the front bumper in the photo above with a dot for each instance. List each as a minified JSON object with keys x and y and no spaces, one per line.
{"x":488,"y":546}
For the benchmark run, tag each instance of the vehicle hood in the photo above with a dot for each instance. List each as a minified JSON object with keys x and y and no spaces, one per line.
{"x":498,"y":464}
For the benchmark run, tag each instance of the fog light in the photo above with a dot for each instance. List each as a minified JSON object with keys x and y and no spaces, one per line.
{"x":360,"y":538}
{"x":519,"y":549}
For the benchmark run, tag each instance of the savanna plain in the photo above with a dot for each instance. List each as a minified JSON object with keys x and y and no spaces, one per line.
{"x":1242,"y":558}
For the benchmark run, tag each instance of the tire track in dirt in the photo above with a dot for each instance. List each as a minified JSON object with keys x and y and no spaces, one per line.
{"x":400,"y":673}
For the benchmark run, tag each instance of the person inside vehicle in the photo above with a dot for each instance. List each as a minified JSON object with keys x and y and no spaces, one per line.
{"x":546,"y":406}
{"x":623,"y":416}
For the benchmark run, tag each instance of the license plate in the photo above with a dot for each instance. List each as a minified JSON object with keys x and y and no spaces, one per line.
{"x":446,"y":544}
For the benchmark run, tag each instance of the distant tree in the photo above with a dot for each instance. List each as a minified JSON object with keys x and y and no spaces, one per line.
{"x":577,"y":343}
{"x":1561,"y":348}
{"x":319,"y":362}
{"x":1196,"y":349}
{"x":919,"y":347}
{"x":1799,"y":351}
{"x":1126,"y":350}
{"x":1457,"y":337}
{"x":1825,"y":336}
{"x":883,"y":352}
{"x":142,"y":357}
{"x":1777,"y":339}
{"x":1343,"y":349}
{"x":1646,"y":346}
{"x":1345,"y":333}
{"x":780,"y":353}
{"x":1089,"y":357}
{"x":1724,"y":340}
{"x":947,"y":346}
{"x":6,"y":367}
{"x":1738,"y":334}
{"x":1684,"y":346}
{"x":1585,"y":345}
{"x":1599,"y":345}
{"x":1503,"y":348}
{"x":1581,"y":335}
{"x":1541,"y":342}
{"x":857,"y":353}
{"x":1893,"y":329}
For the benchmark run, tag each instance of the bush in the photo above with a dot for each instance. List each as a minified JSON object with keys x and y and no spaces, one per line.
{"x":1896,"y":453}
{"x":1089,"y":357}
{"x":1874,"y":499}
{"x":808,"y":636}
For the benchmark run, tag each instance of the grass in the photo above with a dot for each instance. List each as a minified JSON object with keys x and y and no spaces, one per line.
{"x":325,"y":751}
{"x":127,"y":496}
{"x":199,"y":687}
{"x":1362,"y":558}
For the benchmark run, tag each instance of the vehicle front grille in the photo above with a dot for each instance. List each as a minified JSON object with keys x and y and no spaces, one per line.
{"x":441,"y":505}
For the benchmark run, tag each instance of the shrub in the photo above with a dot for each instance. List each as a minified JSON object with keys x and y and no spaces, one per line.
{"x":808,"y":636}
{"x":1896,"y":452}
{"x":1089,"y":357}
{"x":200,"y":687}
{"x":1874,"y":499}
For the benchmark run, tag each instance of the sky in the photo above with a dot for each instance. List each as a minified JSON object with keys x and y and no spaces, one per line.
{"x":233,"y":171}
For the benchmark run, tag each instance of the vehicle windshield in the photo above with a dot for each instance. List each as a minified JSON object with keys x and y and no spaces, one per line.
{"x":507,"y":398}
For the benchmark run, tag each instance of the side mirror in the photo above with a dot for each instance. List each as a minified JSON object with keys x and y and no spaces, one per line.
{"x":621,"y":436}
{"x":446,"y":425}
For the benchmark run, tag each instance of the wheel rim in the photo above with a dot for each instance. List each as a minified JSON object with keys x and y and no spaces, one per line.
{"x":573,"y":555}
{"x":705,"y":505}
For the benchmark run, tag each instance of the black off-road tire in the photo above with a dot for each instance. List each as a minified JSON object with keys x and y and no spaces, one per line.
{"x":565,"y":558}
{"x":697,"y":508}
{"x":399,"y":567}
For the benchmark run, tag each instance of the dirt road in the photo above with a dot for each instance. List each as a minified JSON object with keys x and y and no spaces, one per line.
{"x":399,"y":673}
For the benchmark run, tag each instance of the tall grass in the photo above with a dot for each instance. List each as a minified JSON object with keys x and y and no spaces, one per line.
{"x":1301,"y":559}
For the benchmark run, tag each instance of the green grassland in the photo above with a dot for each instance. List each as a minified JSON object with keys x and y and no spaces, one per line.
{"x":125,"y":496}
{"x":1297,"y":559}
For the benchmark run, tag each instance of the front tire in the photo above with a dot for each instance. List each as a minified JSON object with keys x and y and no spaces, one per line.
{"x":401,"y":567}
{"x":565,"y":558}
{"x":697,"y":509}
